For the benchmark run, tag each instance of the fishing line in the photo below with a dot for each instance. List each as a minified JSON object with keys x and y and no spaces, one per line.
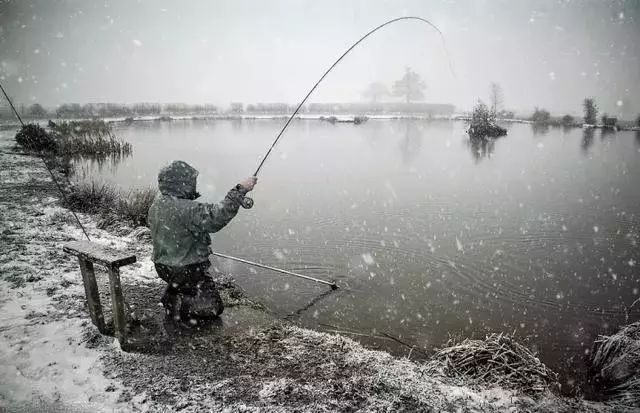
{"x":55,"y":181}
{"x":247,"y":202}
{"x":338,"y":61}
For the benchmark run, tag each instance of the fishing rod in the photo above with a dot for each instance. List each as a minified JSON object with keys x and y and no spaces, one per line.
{"x":55,"y":181}
{"x":247,"y":202}
{"x":331,"y":284}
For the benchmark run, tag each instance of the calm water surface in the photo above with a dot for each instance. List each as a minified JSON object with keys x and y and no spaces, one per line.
{"x":536,"y":233}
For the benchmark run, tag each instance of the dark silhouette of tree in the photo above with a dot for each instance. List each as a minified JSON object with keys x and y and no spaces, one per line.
{"x":567,"y":120}
{"x":375,"y":91}
{"x":237,"y":107}
{"x":541,"y":116}
{"x":410,"y":86}
{"x":483,"y":124}
{"x":590,"y":111}
{"x":481,"y":114}
{"x":37,"y":111}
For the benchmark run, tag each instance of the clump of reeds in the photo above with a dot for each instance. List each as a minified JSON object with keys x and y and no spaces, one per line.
{"x":133,"y":206}
{"x":91,"y":197}
{"x":615,"y":366}
{"x":498,"y":360}
{"x":88,"y":137}
{"x":112,"y":205}
{"x":33,"y":137}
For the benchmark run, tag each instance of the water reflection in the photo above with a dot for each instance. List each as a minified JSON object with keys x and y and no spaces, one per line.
{"x":481,"y":148}
{"x":84,"y":166}
{"x":237,"y":124}
{"x":606,"y":133}
{"x":587,"y":140}
{"x":539,"y":129}
{"x":411,"y":143}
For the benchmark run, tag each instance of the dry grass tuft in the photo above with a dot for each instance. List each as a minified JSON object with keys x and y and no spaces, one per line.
{"x":615,"y":367}
{"x":498,"y":360}
{"x":112,"y":205}
{"x":133,"y":206}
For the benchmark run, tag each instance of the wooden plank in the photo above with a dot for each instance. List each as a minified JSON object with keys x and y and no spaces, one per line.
{"x":93,"y":296}
{"x":117,"y":302}
{"x":96,"y":253}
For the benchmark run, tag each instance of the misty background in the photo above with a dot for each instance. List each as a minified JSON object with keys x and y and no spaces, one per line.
{"x":543,"y":53}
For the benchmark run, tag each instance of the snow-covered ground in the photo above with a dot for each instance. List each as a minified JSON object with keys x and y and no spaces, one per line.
{"x":53,"y":359}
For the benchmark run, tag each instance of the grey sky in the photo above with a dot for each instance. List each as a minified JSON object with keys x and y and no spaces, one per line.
{"x":544,"y":53}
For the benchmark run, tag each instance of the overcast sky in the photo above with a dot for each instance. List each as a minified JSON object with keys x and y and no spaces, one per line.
{"x":544,"y":53}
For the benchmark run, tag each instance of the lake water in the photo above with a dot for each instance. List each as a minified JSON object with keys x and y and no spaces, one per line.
{"x":536,"y":233}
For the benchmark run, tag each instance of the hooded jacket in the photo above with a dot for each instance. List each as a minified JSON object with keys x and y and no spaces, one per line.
{"x":179,"y":225}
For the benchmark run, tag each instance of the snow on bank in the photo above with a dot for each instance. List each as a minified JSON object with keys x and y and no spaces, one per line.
{"x":45,"y":363}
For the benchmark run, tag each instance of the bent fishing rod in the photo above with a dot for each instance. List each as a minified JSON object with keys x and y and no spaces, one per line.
{"x":247,"y":202}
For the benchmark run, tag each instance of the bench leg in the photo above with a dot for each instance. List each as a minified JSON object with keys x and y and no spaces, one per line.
{"x":119,"y":320}
{"x":93,"y":296}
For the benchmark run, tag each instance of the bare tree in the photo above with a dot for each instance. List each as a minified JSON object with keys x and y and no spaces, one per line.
{"x":410,"y":86}
{"x":375,"y":91}
{"x":496,"y":98}
{"x":590,"y":111}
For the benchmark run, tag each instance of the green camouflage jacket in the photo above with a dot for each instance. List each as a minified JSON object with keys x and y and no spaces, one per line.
{"x":179,"y":225}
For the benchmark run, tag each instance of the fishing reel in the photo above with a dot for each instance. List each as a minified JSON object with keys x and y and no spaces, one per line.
{"x":246,"y":203}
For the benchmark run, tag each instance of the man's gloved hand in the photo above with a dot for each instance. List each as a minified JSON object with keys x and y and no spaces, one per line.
{"x":249,"y":183}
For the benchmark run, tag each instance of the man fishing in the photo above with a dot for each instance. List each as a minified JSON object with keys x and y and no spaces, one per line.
{"x":180,"y":228}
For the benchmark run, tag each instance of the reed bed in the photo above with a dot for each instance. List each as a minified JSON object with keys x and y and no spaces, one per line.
{"x":88,"y":137}
{"x":498,"y":360}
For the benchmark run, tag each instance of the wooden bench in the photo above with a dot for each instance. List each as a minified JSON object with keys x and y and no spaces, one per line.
{"x":90,"y":253}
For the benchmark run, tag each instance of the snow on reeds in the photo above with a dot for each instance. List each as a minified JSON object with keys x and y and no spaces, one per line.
{"x":88,"y":137}
{"x":498,"y":360}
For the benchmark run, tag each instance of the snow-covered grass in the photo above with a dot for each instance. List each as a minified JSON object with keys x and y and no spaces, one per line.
{"x":46,"y":364}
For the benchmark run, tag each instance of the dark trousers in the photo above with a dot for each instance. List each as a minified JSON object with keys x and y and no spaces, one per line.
{"x":191,"y":291}
{"x":185,"y":280}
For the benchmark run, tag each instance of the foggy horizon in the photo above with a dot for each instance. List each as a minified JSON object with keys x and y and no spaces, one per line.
{"x":549,"y":54}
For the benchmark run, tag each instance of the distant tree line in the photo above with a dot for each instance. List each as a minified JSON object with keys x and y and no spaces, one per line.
{"x":103,"y":110}
{"x":433,"y":109}
{"x":429,"y":109}
{"x":590,"y":117}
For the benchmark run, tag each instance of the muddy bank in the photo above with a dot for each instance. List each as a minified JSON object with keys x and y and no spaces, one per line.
{"x":53,"y":358}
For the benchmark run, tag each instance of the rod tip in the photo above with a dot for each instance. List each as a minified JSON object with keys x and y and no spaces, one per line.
{"x":334,"y":286}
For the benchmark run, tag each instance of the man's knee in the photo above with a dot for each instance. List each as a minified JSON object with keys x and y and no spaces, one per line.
{"x":205,"y":303}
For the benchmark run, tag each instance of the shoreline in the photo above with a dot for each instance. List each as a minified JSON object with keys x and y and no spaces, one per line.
{"x":348,"y":118}
{"x":54,"y":358}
